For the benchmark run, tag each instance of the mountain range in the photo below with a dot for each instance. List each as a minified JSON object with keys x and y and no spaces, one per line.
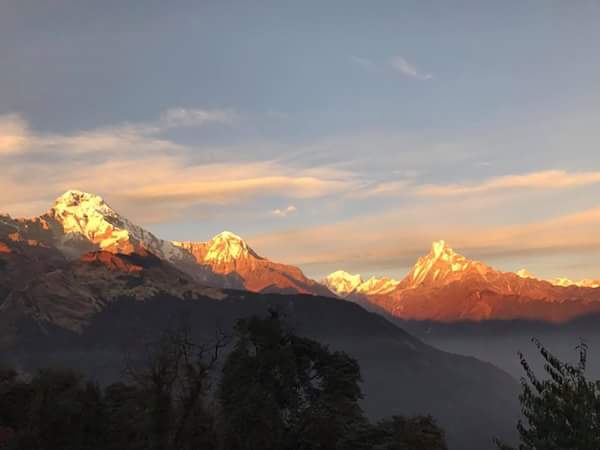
{"x":446,"y":286}
{"x":443,"y":285}
{"x":84,"y":287}
{"x":80,"y":222}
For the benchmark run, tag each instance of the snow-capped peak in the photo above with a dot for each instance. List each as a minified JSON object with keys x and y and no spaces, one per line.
{"x":442,"y":265}
{"x":88,"y":215}
{"x":377,"y":286}
{"x":226,"y":247}
{"x":524,"y":273}
{"x":564,"y":282}
{"x":440,"y":249}
{"x":342,"y":283}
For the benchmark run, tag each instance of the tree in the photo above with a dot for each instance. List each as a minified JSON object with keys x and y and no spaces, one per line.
{"x":173,"y":383}
{"x":55,"y":409}
{"x":282,"y":391}
{"x":562,"y":411}
{"x":415,"y":433}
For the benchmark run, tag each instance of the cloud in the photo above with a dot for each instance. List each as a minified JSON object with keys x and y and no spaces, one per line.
{"x":182,"y":117}
{"x":284,"y":212}
{"x":383,"y":189}
{"x":141,"y":173}
{"x":363,"y":62}
{"x":542,"y":180}
{"x":389,"y":243}
{"x":144,"y":137}
{"x":408,"y":69}
{"x":13,"y":134}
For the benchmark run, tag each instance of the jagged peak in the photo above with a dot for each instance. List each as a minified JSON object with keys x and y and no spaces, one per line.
{"x":440,"y":264}
{"x":345,"y":275}
{"x":74,"y":197}
{"x":440,"y":249}
{"x":342,"y":283}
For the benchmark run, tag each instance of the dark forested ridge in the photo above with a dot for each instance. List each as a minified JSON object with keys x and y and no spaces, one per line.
{"x":275,"y":391}
{"x":471,"y":400}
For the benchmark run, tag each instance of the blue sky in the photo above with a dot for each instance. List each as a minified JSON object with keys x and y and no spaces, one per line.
{"x":328,"y":134}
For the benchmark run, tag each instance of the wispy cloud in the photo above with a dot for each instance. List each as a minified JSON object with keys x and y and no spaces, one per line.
{"x":285,"y":211}
{"x":542,"y":180}
{"x":383,"y":189}
{"x":142,"y":172}
{"x":16,"y":136}
{"x":13,"y":134}
{"x":183,"y":117}
{"x":389,"y":243}
{"x":363,"y":62}
{"x":409,"y":69}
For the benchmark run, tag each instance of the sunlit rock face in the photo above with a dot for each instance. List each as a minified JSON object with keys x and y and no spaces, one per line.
{"x":446,"y":286}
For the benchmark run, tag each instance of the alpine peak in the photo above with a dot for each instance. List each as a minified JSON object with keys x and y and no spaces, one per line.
{"x":88,"y":215}
{"x":440,"y":266}
{"x":439,"y":249}
{"x":342,"y":283}
{"x":524,"y":273}
{"x":226,"y":247}
{"x":74,"y":197}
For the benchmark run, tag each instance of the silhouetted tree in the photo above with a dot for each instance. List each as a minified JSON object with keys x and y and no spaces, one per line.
{"x":416,"y":433}
{"x":280,"y":391}
{"x":277,"y":391}
{"x":174,"y":381}
{"x":562,"y":411}
{"x":54,"y":410}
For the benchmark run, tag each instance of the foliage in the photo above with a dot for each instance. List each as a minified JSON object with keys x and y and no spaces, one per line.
{"x":562,"y":411}
{"x":415,"y":433}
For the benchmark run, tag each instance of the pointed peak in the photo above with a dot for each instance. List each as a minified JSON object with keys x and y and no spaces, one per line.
{"x":438,"y":248}
{"x":75,"y":197}
{"x":227,"y":246}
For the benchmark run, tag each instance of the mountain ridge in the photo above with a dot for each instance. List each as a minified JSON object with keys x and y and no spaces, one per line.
{"x":444,"y":285}
{"x":81,"y":222}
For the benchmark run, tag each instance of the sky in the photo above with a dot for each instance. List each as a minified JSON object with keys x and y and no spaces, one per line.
{"x":328,"y":134}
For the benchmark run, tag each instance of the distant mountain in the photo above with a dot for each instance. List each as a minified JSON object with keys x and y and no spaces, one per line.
{"x":345,"y":284}
{"x":228,"y":255}
{"x":446,"y":286}
{"x":581,"y":283}
{"x":81,"y":222}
